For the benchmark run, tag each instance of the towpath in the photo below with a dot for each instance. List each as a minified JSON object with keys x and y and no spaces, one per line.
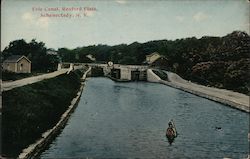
{"x":18,"y":83}
{"x":234,"y":99}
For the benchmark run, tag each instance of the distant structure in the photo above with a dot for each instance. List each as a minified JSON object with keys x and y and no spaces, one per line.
{"x":152,"y":57}
{"x":17,"y":64}
{"x":157,"y":60}
{"x":91,"y":57}
{"x":129,"y":72}
{"x":51,"y":52}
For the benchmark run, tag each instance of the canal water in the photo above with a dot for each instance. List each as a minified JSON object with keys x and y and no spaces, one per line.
{"x":129,"y":120}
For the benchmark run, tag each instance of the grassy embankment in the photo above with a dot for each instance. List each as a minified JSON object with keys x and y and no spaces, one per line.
{"x":161,"y":74}
{"x":30,"y":110}
{"x":12,"y":76}
{"x":9,"y":76}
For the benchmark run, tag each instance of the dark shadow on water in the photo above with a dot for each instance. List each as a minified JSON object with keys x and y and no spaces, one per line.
{"x":170,"y":140}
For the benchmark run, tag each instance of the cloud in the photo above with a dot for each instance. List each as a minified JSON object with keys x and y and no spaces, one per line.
{"x":179,"y":18}
{"x":30,"y":19}
{"x":200,"y":16}
{"x":121,"y":1}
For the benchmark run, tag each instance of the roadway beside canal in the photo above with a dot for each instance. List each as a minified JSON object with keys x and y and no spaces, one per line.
{"x":233,"y":99}
{"x":29,"y":80}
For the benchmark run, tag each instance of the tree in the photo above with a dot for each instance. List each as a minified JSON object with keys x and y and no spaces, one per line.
{"x":16,"y":47}
{"x":35,"y":51}
{"x":67,"y":55}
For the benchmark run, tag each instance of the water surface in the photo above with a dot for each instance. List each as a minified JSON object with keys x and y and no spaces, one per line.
{"x":129,"y":120}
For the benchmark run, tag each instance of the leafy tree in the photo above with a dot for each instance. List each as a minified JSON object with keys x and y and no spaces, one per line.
{"x":16,"y":47}
{"x":35,"y":51}
{"x":67,"y":55}
{"x":205,"y":60}
{"x":127,"y":60}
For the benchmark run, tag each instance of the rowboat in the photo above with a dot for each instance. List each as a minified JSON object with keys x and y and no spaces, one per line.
{"x":171,"y":132}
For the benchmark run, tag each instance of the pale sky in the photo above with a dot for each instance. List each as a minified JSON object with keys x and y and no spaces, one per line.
{"x":114,"y":22}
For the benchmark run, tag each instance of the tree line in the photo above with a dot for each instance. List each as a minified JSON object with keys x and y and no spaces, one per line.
{"x":221,"y":62}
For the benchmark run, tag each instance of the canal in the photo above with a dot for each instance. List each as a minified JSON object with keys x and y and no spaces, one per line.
{"x":129,"y":120}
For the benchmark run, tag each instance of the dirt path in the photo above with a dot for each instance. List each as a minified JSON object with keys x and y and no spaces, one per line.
{"x":18,"y":83}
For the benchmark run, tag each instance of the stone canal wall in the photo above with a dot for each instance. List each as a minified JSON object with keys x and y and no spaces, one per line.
{"x":35,"y":149}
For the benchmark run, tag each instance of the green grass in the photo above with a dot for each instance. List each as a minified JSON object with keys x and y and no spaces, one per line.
{"x":161,"y":74}
{"x":30,"y":110}
{"x":7,"y":76}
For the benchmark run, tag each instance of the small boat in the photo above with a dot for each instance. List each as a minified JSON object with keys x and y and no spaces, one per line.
{"x":171,"y":132}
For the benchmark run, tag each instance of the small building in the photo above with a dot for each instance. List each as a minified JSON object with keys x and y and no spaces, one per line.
{"x":156,"y":60}
{"x":152,"y":57}
{"x":17,"y":64}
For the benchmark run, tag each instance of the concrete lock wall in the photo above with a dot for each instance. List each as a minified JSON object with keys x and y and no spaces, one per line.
{"x":125,"y":74}
{"x":151,"y":77}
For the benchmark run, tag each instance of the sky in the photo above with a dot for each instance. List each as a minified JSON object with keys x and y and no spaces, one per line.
{"x":77,"y":23}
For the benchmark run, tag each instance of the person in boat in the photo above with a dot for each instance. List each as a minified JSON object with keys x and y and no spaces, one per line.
{"x":171,"y":130}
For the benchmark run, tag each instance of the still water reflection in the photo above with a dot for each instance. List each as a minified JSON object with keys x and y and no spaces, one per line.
{"x":129,"y":120}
